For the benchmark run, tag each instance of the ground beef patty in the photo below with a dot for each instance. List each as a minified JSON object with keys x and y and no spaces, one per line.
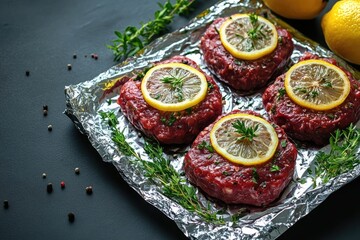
{"x":242,"y":74}
{"x":170,"y":127}
{"x":310,"y":125}
{"x":234,"y":183}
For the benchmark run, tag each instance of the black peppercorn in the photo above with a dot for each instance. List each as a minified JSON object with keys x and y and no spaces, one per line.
{"x":77,"y":171}
{"x":94,"y":56}
{"x":45,"y":112}
{"x":45,"y":107}
{"x":44,"y":175}
{"x":89,"y":190}
{"x":71,"y":217}
{"x":49,"y":188}
{"x":6,"y":204}
{"x":27,"y":73}
{"x":69,"y":66}
{"x":74,"y":56}
{"x":50,"y":128}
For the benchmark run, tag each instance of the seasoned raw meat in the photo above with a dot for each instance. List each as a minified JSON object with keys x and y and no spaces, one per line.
{"x":233,"y":183}
{"x":170,"y":127}
{"x":306,"y":124}
{"x":240,"y":74}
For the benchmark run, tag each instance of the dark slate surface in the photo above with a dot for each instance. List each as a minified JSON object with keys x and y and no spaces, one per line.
{"x":41,"y":37}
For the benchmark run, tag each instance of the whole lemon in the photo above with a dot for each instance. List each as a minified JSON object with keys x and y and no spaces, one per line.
{"x":341,"y":28}
{"x":296,"y":9}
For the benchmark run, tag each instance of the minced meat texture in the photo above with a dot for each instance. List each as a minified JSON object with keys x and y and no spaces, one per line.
{"x":170,"y":127}
{"x":309,"y":125}
{"x":233,"y":183}
{"x":244,"y":75}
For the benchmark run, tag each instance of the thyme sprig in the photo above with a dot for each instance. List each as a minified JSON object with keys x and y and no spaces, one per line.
{"x":134,"y":39}
{"x":343,"y":155}
{"x":247,"y":133}
{"x":117,"y":136}
{"x":256,"y":31}
{"x":161,"y":172}
{"x":176,"y":84}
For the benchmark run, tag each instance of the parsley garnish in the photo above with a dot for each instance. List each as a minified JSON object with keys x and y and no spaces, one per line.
{"x":205,"y":145}
{"x":274,"y":168}
{"x":255,"y":174}
{"x":168,"y":121}
{"x":281,"y":93}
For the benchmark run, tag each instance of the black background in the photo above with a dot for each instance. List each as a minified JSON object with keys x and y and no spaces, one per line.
{"x":41,"y":36}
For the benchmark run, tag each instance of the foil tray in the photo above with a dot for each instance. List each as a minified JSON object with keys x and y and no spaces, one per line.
{"x":84,"y":101}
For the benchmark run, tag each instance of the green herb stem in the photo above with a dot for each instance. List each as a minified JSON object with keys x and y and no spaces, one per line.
{"x":134,"y":39}
{"x":247,"y":133}
{"x":160,"y":171}
{"x":343,"y":155}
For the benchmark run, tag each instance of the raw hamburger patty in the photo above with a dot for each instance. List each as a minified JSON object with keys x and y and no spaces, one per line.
{"x":170,"y":127}
{"x":234,"y":183}
{"x":242,"y":74}
{"x":310,"y":125}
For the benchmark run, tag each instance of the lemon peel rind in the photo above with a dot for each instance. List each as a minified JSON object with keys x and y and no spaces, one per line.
{"x":174,"y":107}
{"x":318,"y":107}
{"x":239,"y":160}
{"x":245,"y":55}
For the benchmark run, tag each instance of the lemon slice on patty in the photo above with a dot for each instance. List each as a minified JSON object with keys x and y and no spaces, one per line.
{"x":248,"y":36}
{"x":173,"y":87}
{"x":317,"y":84}
{"x":244,"y":139}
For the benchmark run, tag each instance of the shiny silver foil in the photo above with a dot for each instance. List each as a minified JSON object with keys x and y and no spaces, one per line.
{"x":85,"y":100}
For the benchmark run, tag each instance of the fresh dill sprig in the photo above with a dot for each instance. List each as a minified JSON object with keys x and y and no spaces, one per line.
{"x":343,"y":155}
{"x":247,"y":133}
{"x":160,"y":171}
{"x":134,"y":39}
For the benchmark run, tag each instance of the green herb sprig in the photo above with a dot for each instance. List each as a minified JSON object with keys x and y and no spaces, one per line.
{"x":343,"y":155}
{"x":117,"y":136}
{"x":134,"y":39}
{"x":160,"y":171}
{"x":256,"y":32}
{"x":206,"y":145}
{"x":176,"y":84}
{"x":247,"y":133}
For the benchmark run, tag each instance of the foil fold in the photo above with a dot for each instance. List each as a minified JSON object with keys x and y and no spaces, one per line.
{"x":85,"y":100}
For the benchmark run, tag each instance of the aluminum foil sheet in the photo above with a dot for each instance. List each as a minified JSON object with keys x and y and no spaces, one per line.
{"x":85,"y":100}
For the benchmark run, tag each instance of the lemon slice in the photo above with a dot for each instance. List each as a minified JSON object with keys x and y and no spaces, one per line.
{"x":173,"y":87}
{"x":317,"y":84}
{"x":248,"y":36}
{"x":244,"y":139}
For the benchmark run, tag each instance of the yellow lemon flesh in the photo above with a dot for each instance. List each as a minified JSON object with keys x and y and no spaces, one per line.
{"x":244,"y":139}
{"x":317,"y":85}
{"x":341,"y":28}
{"x":248,"y":36}
{"x":173,"y":87}
{"x":296,"y":9}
